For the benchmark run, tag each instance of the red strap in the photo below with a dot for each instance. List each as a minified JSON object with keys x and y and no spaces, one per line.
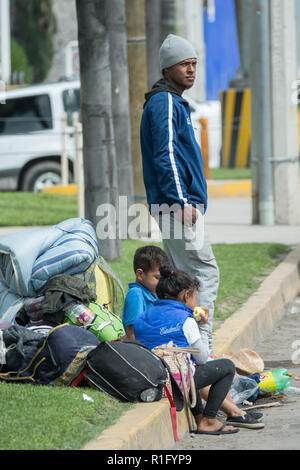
{"x":173,"y":413}
{"x":78,"y":379}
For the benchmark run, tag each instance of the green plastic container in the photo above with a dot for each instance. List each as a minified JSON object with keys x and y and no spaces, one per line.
{"x":271,"y":381}
{"x":106,"y":325}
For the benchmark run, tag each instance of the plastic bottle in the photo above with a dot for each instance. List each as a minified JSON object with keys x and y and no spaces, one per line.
{"x":79,"y":314}
{"x":149,"y":395}
{"x":278,"y":379}
{"x":292,"y":391}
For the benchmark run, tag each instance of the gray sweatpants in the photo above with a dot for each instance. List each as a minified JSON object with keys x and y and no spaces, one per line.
{"x":199,"y":263}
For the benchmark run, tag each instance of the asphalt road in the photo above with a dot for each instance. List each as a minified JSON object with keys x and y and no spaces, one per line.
{"x":279,"y":349}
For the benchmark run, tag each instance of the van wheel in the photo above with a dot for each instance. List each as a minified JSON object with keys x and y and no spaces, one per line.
{"x":40,"y":176}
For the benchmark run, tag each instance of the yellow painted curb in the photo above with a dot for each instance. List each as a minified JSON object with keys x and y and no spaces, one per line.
{"x":60,"y":189}
{"x":147,"y":426}
{"x":230,"y":188}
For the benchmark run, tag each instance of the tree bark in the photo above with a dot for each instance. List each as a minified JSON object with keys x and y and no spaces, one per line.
{"x":153,"y":27}
{"x":116,"y":22}
{"x":137,"y":66}
{"x":99,"y":154}
{"x":160,"y":21}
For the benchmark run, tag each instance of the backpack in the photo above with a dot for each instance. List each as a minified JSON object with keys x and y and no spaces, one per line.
{"x":58,"y":358}
{"x":106,"y":285}
{"x":106,"y":326}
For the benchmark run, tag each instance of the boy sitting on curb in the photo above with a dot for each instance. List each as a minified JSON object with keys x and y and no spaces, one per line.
{"x":141,"y":293}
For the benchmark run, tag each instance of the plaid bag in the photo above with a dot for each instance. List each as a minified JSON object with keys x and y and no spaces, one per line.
{"x":181,"y":368}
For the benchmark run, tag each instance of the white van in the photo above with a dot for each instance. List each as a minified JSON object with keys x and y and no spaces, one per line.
{"x":31,"y":134}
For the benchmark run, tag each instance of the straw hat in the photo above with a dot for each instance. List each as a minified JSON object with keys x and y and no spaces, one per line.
{"x":246,"y":361}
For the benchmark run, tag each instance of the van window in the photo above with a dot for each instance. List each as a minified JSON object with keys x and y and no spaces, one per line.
{"x":27,"y":114}
{"x":71,"y":100}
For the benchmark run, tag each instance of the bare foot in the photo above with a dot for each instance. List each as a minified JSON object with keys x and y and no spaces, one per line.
{"x":208,"y":424}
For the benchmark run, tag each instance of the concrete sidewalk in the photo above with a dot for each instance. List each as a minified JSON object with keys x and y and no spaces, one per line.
{"x":229,"y":220}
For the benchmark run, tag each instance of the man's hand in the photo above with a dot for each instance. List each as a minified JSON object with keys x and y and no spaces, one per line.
{"x":189,"y":215}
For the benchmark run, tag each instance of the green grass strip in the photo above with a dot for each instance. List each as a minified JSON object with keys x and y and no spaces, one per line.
{"x":31,"y":209}
{"x":53,"y":418}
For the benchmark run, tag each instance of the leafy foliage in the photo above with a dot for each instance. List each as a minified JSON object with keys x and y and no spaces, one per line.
{"x":33,"y":25}
{"x":19,"y":61}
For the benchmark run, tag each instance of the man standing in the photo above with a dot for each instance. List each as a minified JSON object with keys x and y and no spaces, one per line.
{"x":173,"y":170}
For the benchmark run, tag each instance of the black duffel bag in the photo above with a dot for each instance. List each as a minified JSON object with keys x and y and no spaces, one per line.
{"x":129,"y":371}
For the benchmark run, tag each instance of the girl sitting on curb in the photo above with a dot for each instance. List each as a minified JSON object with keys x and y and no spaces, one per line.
{"x":171,"y":319}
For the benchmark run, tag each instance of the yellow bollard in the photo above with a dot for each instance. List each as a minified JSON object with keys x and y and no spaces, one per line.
{"x":204,"y":147}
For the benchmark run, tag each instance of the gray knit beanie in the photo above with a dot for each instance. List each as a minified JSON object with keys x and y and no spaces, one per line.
{"x":173,"y":50}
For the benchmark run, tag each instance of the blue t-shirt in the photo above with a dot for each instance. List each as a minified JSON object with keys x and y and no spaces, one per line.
{"x":137,"y":300}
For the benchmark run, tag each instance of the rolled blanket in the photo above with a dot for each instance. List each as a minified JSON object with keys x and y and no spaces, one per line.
{"x":30,"y":258}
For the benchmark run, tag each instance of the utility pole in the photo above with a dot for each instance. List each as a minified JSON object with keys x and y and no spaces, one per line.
{"x":137,"y":68}
{"x":284,"y":112}
{"x":261,"y":114}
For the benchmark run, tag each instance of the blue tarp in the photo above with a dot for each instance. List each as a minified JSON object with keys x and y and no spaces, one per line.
{"x":222,"y":49}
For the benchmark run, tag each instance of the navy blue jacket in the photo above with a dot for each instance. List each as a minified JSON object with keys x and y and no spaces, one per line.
{"x":172,"y":160}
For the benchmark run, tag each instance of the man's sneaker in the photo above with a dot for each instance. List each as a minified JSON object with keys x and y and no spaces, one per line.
{"x":245,"y":421}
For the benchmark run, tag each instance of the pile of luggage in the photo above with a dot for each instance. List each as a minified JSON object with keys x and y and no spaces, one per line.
{"x":59,"y":317}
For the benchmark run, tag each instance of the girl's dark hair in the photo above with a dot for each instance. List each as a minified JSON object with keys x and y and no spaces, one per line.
{"x":174,"y":281}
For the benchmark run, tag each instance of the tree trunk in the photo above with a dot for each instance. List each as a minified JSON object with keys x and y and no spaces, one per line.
{"x":160,"y":21}
{"x":116,"y":22}
{"x":153,"y":23}
{"x":100,"y":165}
{"x":137,"y":66}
